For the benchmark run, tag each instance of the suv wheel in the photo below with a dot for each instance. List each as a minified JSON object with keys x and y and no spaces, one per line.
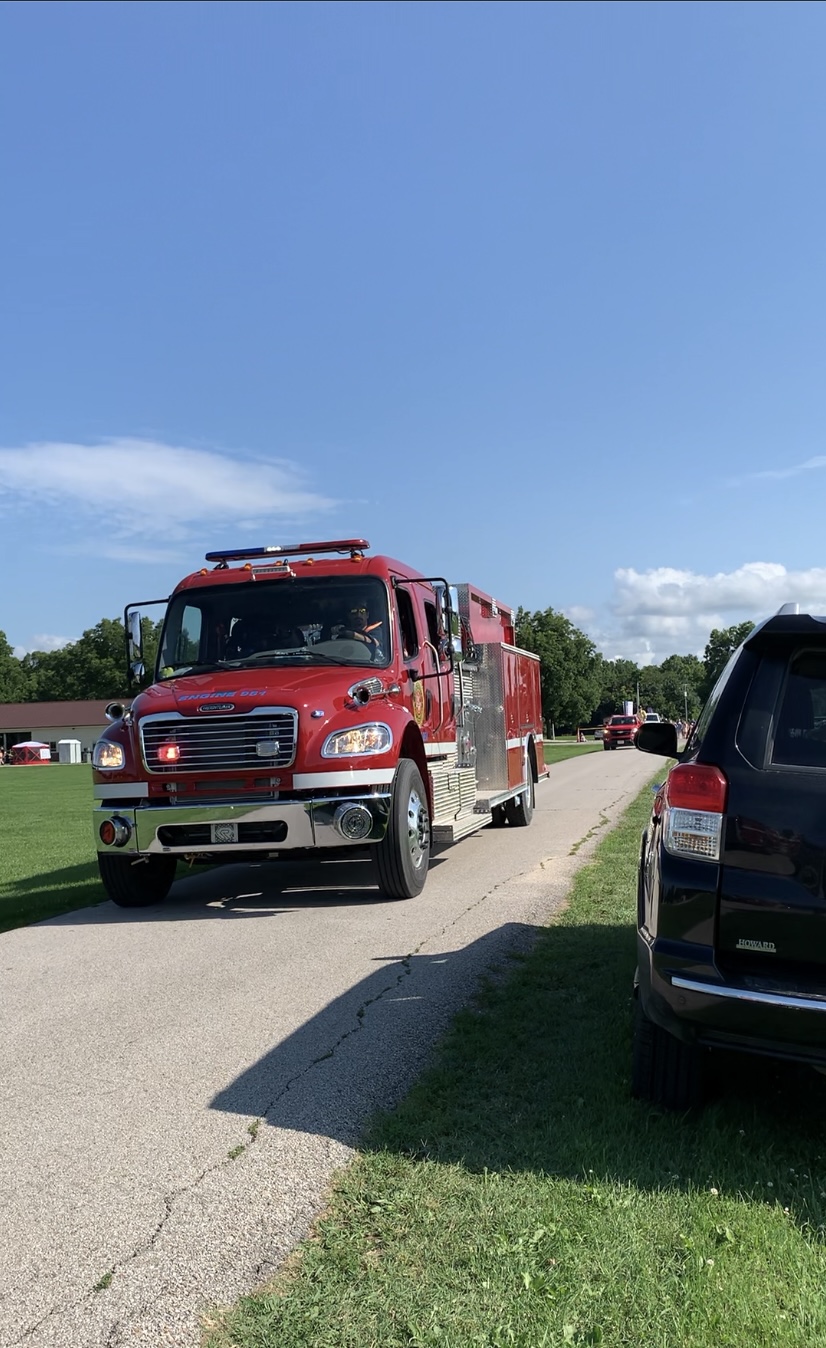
{"x":664,"y":1069}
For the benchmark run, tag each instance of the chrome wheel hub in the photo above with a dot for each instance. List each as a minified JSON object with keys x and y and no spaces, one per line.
{"x":418,"y":826}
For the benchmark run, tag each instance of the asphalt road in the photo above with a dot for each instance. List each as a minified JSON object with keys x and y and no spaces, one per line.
{"x":139,"y":1050}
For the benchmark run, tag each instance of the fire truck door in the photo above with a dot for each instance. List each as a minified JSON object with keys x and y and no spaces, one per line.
{"x":429,"y":694}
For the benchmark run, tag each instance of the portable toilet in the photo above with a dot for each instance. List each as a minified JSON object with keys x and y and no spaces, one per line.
{"x":68,"y":751}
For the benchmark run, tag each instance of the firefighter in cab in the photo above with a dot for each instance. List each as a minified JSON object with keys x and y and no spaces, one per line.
{"x":358,"y":625}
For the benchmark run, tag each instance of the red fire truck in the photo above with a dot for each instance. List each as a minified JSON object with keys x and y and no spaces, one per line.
{"x":313,"y":698}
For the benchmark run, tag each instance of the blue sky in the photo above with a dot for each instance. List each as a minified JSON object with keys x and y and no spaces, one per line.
{"x":531,"y":295}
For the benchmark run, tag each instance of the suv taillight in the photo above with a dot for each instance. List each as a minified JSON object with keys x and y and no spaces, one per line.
{"x":695,"y":801}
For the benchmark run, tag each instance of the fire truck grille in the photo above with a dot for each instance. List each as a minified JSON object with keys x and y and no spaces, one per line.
{"x":175,"y":744}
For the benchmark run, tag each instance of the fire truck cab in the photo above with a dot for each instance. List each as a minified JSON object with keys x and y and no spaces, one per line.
{"x":311,"y":698}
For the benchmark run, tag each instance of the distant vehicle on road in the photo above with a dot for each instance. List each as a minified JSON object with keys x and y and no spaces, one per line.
{"x":620,"y":730}
{"x":652,"y":718}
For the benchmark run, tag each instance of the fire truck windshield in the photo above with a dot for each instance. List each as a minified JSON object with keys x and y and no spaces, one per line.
{"x":339,"y":620}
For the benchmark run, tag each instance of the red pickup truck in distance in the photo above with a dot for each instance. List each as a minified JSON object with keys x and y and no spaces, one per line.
{"x":620,"y":730}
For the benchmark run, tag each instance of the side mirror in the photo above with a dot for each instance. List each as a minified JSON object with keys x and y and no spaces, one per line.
{"x":134,"y":643}
{"x":657,"y":738}
{"x":455,"y":623}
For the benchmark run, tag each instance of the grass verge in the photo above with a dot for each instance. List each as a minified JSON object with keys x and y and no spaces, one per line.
{"x":520,"y":1199}
{"x":48,"y":860}
{"x":555,"y":753}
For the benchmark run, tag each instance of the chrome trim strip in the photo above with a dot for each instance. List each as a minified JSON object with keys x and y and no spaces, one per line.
{"x":519,"y":651}
{"x":120,"y":790}
{"x":225,"y":716}
{"x":748,"y":995}
{"x":310,"y":781}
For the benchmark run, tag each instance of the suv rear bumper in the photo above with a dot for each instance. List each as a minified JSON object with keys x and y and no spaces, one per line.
{"x":688,"y":997}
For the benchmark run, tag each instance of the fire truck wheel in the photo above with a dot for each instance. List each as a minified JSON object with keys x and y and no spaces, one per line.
{"x":520,"y":809}
{"x":137,"y":883}
{"x":403,"y":856}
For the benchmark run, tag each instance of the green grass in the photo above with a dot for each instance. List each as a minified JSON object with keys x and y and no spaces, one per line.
{"x":48,"y":858}
{"x":520,"y":1199}
{"x":556,"y":752}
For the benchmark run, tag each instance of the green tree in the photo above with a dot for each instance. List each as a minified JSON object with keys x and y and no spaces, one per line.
{"x":569,"y":666}
{"x":93,"y":667}
{"x":681,"y":684}
{"x":721,"y":644}
{"x":618,"y":680}
{"x":15,"y":682}
{"x":651,"y":689}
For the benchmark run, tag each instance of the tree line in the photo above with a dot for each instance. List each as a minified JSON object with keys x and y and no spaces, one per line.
{"x":90,"y":668}
{"x":579,"y":686}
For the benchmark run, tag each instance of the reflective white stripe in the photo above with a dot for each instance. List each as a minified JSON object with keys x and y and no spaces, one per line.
{"x":120,"y":790}
{"x":310,"y":781}
{"x":436,"y":748}
{"x":517,"y":743}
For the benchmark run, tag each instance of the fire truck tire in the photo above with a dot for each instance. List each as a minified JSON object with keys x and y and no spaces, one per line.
{"x":520,"y":808}
{"x":134,"y":883}
{"x":403,"y":855}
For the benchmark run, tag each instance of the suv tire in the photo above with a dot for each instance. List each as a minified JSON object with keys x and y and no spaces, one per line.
{"x":665,"y":1070}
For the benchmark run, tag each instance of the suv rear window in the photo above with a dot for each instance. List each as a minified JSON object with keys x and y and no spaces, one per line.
{"x":800,"y":734}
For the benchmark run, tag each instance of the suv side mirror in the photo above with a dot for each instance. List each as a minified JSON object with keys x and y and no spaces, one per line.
{"x":657,"y":738}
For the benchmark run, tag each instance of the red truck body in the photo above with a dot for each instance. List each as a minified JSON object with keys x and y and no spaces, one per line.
{"x":278,"y":726}
{"x":620,"y":729}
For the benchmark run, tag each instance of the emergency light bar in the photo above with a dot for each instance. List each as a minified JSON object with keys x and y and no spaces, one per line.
{"x":351,"y":545}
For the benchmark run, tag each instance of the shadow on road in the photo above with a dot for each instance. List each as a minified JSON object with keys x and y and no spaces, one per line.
{"x":365,"y":1047}
{"x":252,"y":889}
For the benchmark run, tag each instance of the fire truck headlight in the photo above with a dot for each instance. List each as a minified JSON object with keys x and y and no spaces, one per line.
{"x":374,"y":738}
{"x":108,"y":757}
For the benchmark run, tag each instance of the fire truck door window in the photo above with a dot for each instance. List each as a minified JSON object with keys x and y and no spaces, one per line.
{"x":407,"y":625}
{"x":433,"y":631}
{"x":188,"y":641}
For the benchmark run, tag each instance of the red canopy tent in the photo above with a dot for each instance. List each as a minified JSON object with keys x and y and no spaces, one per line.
{"x":30,"y":751}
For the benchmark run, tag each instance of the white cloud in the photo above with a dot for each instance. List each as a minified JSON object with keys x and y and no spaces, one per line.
{"x":144,"y":487}
{"x":774,"y":474}
{"x":579,"y":615}
{"x":44,"y":642}
{"x":666,"y":611}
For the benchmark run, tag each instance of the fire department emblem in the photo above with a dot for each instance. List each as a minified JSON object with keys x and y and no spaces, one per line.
{"x":418,"y":703}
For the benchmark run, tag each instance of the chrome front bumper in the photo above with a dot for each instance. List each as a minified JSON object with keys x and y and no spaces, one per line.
{"x":304,"y":824}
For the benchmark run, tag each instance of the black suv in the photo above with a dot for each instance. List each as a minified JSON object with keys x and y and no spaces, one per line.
{"x":731,"y":897}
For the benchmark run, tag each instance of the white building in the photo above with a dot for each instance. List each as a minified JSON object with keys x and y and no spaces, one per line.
{"x":53,"y":721}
